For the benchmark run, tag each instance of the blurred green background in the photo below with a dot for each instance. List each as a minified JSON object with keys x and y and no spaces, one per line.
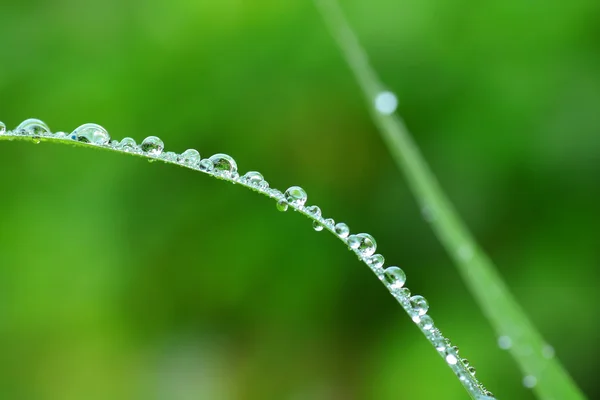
{"x":125,"y":280}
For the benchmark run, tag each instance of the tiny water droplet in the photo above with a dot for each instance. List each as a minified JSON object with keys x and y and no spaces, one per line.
{"x":386,"y":102}
{"x":33,"y":126}
{"x":128,"y":145}
{"x":375,"y":262}
{"x":548,"y":351}
{"x":471,"y":370}
{"x":206,"y":165}
{"x":190,"y":157}
{"x":225,"y":165}
{"x":329,"y":222}
{"x":274,"y":193}
{"x":153,"y":146}
{"x":529,"y":381}
{"x":394,"y":277}
{"x":92,"y":133}
{"x":2,"y":128}
{"x":282,"y":205}
{"x":317,"y":226}
{"x":504,"y":342}
{"x":342,"y":230}
{"x":314,"y":211}
{"x":428,"y":213}
{"x":169,"y":156}
{"x":440,"y":343}
{"x":296,"y":196}
{"x":426,"y":322}
{"x":363,"y":244}
{"x":465,"y":252}
{"x":419,"y":304}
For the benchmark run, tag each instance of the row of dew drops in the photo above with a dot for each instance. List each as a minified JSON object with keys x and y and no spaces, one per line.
{"x":224,"y":167}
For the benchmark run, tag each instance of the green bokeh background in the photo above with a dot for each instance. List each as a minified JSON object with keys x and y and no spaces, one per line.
{"x":121,"y":279}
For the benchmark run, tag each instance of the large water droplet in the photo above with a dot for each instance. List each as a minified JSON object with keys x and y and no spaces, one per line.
{"x":386,"y":102}
{"x":363,"y":244}
{"x":2,"y":128}
{"x":394,"y":277}
{"x":190,"y":157}
{"x":224,"y":165}
{"x":92,"y":133}
{"x":419,"y":304}
{"x":153,"y":146}
{"x":342,"y":230}
{"x":128,"y":145}
{"x":317,"y":226}
{"x":296,"y":196}
{"x":33,"y":126}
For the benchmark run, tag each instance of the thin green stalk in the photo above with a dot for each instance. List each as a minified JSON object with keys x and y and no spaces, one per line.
{"x":549,"y":379}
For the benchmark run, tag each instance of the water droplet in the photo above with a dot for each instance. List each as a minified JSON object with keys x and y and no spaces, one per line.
{"x":548,"y":351}
{"x":282,"y":205}
{"x":153,"y":146}
{"x":329,"y":222}
{"x":206,"y":165}
{"x":190,"y":157}
{"x":529,"y":381}
{"x":451,"y":358}
{"x":504,"y":342}
{"x":394,"y":277}
{"x":375,"y":262}
{"x":419,"y":304}
{"x":169,"y":156}
{"x":296,"y":196}
{"x":33,"y":126}
{"x":342,"y":230}
{"x":426,"y":322}
{"x":314,"y":211}
{"x":274,"y":193}
{"x":428,"y":213}
{"x":440,"y":343}
{"x":363,"y":244}
{"x":317,"y":226}
{"x":92,"y":133}
{"x":2,"y":128}
{"x":128,"y":145}
{"x":465,"y":252}
{"x":386,"y":102}
{"x":225,"y":165}
{"x":471,"y":370}
{"x":254,"y":178}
